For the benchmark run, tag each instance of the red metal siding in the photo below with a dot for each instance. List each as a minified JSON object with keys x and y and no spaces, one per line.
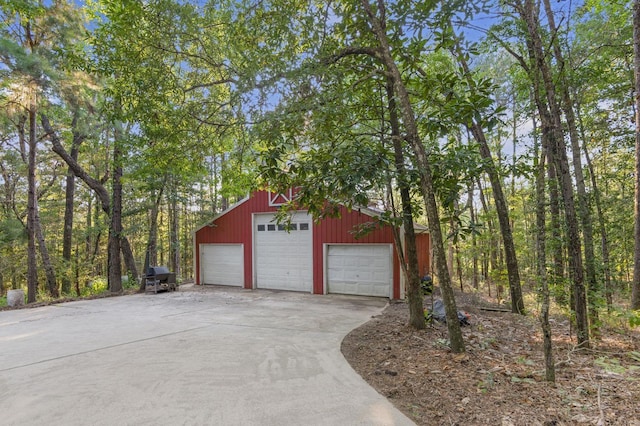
{"x":423,"y":245}
{"x":339,"y":230}
{"x":234,"y":227}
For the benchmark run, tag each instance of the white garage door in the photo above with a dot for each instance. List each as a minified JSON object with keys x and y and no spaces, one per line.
{"x":222,"y":264}
{"x":361,"y":269}
{"x":283,"y":259}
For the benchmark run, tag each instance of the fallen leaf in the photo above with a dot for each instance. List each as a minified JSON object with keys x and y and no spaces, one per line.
{"x":506,"y":421}
{"x":580,"y":418}
{"x":461,"y":358}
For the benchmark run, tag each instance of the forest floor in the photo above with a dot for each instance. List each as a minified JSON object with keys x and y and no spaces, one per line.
{"x":500,"y":378}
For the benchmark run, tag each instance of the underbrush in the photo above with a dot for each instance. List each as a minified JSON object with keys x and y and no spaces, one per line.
{"x":94,"y":287}
{"x":617,"y":318}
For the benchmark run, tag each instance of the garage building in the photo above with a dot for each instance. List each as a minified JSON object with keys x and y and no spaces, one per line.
{"x":245,"y":247}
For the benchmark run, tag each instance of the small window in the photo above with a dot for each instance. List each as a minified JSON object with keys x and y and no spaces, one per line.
{"x":304,"y":226}
{"x":293,"y":227}
{"x":281,"y":227}
{"x":261,"y":228}
{"x":271,"y":227}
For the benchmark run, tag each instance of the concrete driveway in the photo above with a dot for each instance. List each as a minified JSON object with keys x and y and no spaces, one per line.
{"x":213,"y":356}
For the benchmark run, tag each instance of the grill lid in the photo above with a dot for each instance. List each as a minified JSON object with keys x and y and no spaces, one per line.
{"x":157,"y":270}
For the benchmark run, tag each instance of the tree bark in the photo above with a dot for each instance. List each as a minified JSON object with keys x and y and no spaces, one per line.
{"x":94,"y":184}
{"x":127,"y":255}
{"x":513,"y":273}
{"x":50,"y":273}
{"x":502,"y":209}
{"x":557,"y":246}
{"x":558,"y":152}
{"x":115,"y":230}
{"x":602,"y":228}
{"x":174,"y":242}
{"x":70,"y":188}
{"x":32,"y":266}
{"x":424,"y":167}
{"x":491,"y":264}
{"x":635,"y":292}
{"x":474,"y":242}
{"x":583,"y":200}
{"x":414,"y":292}
{"x":151,"y":257}
{"x":550,"y":372}
{"x":97,"y":186}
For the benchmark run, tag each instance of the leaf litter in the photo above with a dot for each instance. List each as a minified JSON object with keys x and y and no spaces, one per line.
{"x":499,"y":380}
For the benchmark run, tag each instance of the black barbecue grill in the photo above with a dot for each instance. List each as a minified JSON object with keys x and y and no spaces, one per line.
{"x":159,"y":278}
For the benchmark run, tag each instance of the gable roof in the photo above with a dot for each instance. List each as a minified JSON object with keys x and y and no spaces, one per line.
{"x":222,"y":213}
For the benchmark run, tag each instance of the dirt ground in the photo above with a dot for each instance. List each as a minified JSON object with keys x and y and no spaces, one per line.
{"x":500,"y":378}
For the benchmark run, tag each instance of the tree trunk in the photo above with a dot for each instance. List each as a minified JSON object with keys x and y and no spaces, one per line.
{"x":557,"y":247}
{"x":127,"y":255}
{"x":459,"y":267}
{"x":76,"y":275}
{"x":550,"y":372}
{"x":32,"y":266}
{"x":50,"y":273}
{"x":174,"y":242}
{"x":426,"y":176}
{"x":502,"y":209}
{"x":70,"y":188}
{"x":87,"y":242}
{"x":68,"y":231}
{"x":99,"y":189}
{"x":151,"y":257}
{"x":558,"y":152}
{"x":187,"y":271}
{"x":583,"y":201}
{"x":414,"y":292}
{"x":115,"y":230}
{"x":450,"y":250}
{"x":602,"y":228}
{"x":635,"y":292}
{"x":491,"y":264}
{"x":513,"y":273}
{"x":474,"y":243}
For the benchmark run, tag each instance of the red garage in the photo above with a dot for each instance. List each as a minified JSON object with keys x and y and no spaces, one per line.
{"x":244,"y":246}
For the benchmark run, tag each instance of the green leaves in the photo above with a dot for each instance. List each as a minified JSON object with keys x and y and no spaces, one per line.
{"x":12,"y":230}
{"x":455,"y":166}
{"x":634,"y":321}
{"x":18,"y":60}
